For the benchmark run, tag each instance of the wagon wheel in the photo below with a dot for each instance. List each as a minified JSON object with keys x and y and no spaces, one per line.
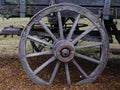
{"x":67,"y":51}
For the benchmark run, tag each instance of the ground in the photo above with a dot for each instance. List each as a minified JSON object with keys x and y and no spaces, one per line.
{"x":13,"y":77}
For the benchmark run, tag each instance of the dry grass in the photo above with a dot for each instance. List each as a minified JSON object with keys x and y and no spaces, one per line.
{"x":10,"y":45}
{"x":17,"y":22}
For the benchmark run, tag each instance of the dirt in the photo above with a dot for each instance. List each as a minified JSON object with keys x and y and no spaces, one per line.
{"x":13,"y":77}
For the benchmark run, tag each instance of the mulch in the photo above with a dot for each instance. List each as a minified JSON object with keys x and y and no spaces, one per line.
{"x":13,"y":77}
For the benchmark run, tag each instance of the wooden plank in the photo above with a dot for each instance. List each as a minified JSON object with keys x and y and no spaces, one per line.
{"x":115,"y":50}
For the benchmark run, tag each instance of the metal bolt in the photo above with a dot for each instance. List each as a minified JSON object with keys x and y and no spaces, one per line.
{"x":65,"y":52}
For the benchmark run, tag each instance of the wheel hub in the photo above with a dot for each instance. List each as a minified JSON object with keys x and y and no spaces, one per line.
{"x":64,"y":50}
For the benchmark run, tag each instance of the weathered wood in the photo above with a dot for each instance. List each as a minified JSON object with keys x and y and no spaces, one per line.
{"x":79,"y":2}
{"x":115,"y":50}
{"x":13,"y":7}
